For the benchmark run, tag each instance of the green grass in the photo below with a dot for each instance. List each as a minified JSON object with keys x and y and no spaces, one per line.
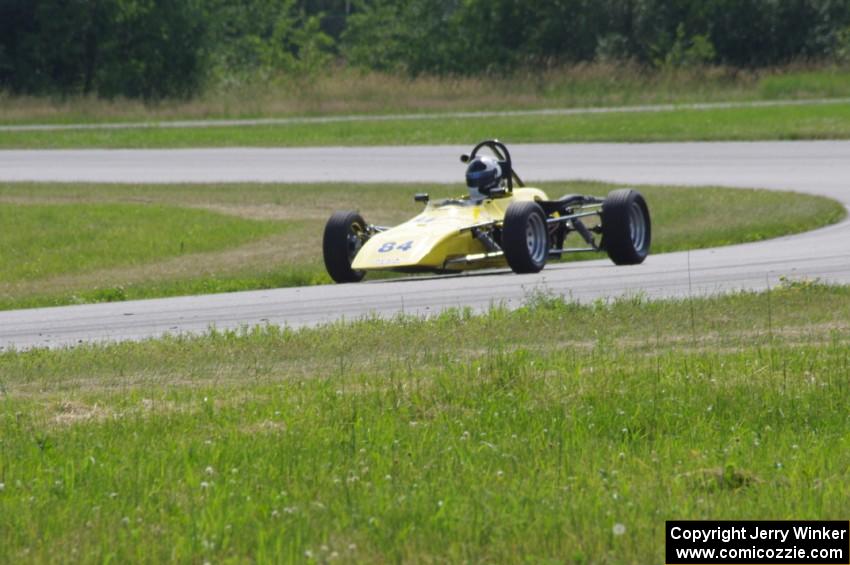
{"x":77,"y":243}
{"x":460,"y":438}
{"x":48,"y":240}
{"x":804,"y":84}
{"x":830,"y":121}
{"x":346,"y":91}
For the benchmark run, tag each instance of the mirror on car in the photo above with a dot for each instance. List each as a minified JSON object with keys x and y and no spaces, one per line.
{"x":421,"y":197}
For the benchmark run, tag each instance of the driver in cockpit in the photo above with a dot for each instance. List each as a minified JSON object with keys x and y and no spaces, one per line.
{"x":483,"y":175}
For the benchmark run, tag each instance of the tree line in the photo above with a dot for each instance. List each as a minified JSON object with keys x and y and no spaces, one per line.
{"x":152,"y":49}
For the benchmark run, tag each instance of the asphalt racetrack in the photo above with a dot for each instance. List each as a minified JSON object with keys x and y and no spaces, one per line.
{"x":816,"y":167}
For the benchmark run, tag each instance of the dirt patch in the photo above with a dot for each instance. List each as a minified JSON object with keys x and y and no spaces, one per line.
{"x":259,"y":211}
{"x":264,"y":427}
{"x":721,"y":478}
{"x":266,"y":211}
{"x":69,"y":413}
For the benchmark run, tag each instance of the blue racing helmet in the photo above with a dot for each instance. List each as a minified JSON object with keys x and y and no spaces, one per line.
{"x":483,"y":175}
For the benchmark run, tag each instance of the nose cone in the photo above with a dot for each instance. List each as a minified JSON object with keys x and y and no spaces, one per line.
{"x":408,"y":245}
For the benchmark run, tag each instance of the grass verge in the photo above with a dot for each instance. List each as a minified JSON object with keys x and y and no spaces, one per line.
{"x":347,"y":91}
{"x":829,"y":121}
{"x":48,"y":240}
{"x":456,"y":438}
{"x":75,"y":243}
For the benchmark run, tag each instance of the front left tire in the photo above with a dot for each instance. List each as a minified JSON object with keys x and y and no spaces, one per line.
{"x":344,"y":235}
{"x":525,"y":237}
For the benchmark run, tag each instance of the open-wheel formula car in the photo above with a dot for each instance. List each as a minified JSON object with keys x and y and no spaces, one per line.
{"x":499,"y":222}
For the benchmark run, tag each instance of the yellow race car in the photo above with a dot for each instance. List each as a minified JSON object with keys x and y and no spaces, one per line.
{"x":500,"y":222}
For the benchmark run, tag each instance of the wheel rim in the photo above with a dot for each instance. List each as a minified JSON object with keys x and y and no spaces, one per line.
{"x":535,"y":236}
{"x":637,"y":226}
{"x":354,"y":241}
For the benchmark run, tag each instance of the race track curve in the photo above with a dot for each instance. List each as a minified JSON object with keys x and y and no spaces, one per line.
{"x":818,"y":167}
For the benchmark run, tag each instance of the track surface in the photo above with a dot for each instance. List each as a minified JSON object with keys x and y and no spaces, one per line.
{"x":813,"y":167}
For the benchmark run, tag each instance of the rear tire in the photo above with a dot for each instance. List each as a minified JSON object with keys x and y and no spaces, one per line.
{"x":344,"y":236}
{"x":626,"y":227}
{"x":525,"y":237}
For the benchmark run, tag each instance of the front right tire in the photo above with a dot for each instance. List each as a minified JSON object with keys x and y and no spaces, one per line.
{"x":344,"y":235}
{"x":626,"y":227}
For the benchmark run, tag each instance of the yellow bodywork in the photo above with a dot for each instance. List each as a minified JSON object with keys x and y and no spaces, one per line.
{"x":439,"y":235}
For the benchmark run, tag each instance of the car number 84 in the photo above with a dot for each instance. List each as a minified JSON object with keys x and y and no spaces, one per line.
{"x":392,"y":246}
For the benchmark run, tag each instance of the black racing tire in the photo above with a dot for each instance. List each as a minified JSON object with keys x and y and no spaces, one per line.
{"x":626,"y":227}
{"x":525,"y":237}
{"x":344,"y":235}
